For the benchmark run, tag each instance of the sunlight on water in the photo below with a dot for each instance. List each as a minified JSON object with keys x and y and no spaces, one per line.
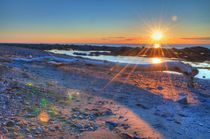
{"x":156,"y":60}
{"x":204,"y":72}
{"x":157,"y":45}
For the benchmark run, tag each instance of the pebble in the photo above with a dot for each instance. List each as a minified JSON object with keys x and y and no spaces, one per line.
{"x":121,"y":117}
{"x":29,"y":136}
{"x":89,"y":127}
{"x":126,"y":136}
{"x":111,"y":125}
{"x":141,"y":106}
{"x":160,"y":88}
{"x":29,"y":115}
{"x":79,"y":126}
{"x":182,"y":99}
{"x":107,"y":112}
{"x":125,"y":126}
{"x":182,"y":115}
{"x":4,"y":130}
{"x":129,"y":136}
{"x":52,"y":129}
{"x":10,"y":123}
{"x":92,"y":116}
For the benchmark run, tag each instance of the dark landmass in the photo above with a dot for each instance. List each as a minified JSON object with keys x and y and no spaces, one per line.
{"x":194,"y":54}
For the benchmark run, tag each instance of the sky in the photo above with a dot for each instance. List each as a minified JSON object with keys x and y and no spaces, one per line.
{"x":104,"y":21}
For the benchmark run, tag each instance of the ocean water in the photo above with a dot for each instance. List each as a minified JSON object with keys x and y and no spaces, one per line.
{"x":203,"y":67}
{"x":178,"y":46}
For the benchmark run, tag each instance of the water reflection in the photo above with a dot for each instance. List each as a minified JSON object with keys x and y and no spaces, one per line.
{"x":203,"y":73}
{"x":156,"y":45}
{"x":156,"y":60}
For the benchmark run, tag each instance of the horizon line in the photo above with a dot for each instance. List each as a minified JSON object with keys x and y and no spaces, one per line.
{"x":84,"y":43}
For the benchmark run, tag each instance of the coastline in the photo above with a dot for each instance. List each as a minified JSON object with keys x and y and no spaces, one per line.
{"x":192,"y":54}
{"x":134,"y":104}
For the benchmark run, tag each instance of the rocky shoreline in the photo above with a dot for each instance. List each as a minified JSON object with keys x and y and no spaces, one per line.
{"x":48,"y":99}
{"x":193,"y":54}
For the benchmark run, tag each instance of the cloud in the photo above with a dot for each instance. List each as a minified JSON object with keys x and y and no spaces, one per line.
{"x":129,"y":39}
{"x":197,"y":38}
{"x":117,"y":38}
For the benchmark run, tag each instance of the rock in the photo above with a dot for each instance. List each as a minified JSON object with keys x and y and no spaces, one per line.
{"x":52,"y":129}
{"x":148,"y":88}
{"x":90,"y":127}
{"x":121,"y":117}
{"x":27,"y":130}
{"x":92,"y":116}
{"x":125,"y":126}
{"x":78,"y":126}
{"x":182,"y":115}
{"x":137,"y":137}
{"x":141,"y":106}
{"x":182,"y":99}
{"x":129,"y":136}
{"x":160,"y":88}
{"x":35,"y":131}
{"x":29,"y":115}
{"x":87,"y":127}
{"x":4,"y":130}
{"x":10,"y":123}
{"x":177,"y":121}
{"x":111,"y":125}
{"x":94,"y":127}
{"x":80,"y":54}
{"x":58,"y":127}
{"x":29,"y":136}
{"x":107,"y":112}
{"x":126,"y":136}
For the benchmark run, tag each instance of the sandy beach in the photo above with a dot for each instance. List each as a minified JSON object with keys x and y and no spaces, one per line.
{"x":41,"y":97}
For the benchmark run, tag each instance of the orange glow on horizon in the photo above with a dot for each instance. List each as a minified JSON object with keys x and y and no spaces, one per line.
{"x":70,"y":38}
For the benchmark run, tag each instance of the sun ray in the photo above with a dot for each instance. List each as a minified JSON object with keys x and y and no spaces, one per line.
{"x":116,"y":76}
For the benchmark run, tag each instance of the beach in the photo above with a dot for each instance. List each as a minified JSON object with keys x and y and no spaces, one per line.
{"x":74,"y":97}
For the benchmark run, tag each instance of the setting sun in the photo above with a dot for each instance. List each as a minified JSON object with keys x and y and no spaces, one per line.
{"x":157,"y":35}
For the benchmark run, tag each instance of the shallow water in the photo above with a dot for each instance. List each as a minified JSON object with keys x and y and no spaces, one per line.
{"x":204,"y":72}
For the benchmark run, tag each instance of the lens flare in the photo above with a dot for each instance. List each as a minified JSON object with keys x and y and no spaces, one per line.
{"x":43,"y":116}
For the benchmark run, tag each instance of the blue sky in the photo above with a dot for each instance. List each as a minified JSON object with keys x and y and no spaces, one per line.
{"x":97,"y":20}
